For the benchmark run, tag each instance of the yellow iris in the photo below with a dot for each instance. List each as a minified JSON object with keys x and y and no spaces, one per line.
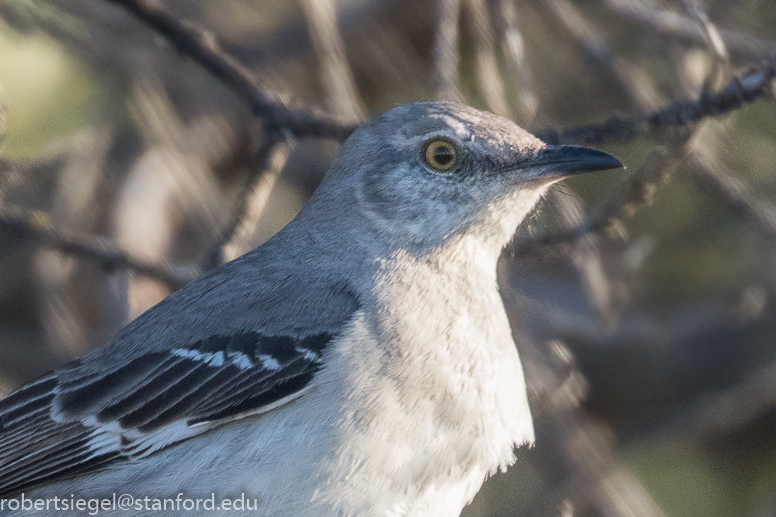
{"x":440,"y":154}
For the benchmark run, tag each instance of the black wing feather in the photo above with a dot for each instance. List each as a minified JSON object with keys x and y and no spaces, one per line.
{"x":54,"y":429}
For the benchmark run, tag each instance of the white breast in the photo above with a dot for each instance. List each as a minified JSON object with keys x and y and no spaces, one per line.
{"x":433,"y":387}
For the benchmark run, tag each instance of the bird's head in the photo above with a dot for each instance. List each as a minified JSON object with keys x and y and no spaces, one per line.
{"x":422,"y":173}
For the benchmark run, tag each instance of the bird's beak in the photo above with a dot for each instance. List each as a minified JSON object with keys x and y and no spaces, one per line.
{"x":554,"y":162}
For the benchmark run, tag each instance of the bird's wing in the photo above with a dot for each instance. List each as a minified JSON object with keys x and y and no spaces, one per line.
{"x":78,"y":420}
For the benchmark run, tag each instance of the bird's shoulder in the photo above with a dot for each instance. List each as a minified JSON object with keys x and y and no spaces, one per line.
{"x":238,"y":342}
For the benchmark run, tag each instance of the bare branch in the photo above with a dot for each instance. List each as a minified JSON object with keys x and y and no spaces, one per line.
{"x":203,"y":48}
{"x":200,"y":46}
{"x":446,"y":50}
{"x":739,"y":45}
{"x":269,"y":162}
{"x":714,"y":44}
{"x":511,"y":40}
{"x":711,"y":174}
{"x":262,"y":164}
{"x":487,"y":73}
{"x":335,"y":72}
{"x":619,"y":73}
{"x":36,"y":225}
{"x":585,"y":255}
{"x":746,"y":89}
{"x":256,"y":200}
{"x":639,"y":192}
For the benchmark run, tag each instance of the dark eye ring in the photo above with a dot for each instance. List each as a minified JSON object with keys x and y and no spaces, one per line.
{"x":441,"y":154}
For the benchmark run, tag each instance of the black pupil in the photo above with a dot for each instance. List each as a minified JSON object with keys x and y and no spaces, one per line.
{"x":444,"y":155}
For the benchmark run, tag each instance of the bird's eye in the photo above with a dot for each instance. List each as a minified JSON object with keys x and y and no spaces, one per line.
{"x":440,"y":154}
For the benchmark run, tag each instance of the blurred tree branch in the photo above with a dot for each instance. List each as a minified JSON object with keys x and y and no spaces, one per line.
{"x":638,"y":192}
{"x":618,"y":73}
{"x":738,"y":194}
{"x":749,"y":87}
{"x":201,"y":46}
{"x":269,"y":161}
{"x":496,"y":50}
{"x":743,"y":46}
{"x":446,"y":55}
{"x":35,"y":224}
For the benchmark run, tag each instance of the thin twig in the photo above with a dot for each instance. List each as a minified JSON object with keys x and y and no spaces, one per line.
{"x":202,"y":47}
{"x":619,"y":73}
{"x":742,"y":46}
{"x":486,"y":69}
{"x":639,"y":192}
{"x":511,"y":40}
{"x":740,"y":91}
{"x":714,"y":45}
{"x":746,"y":89}
{"x":35,"y":224}
{"x":585,"y":256}
{"x":446,"y":54}
{"x":264,"y":157}
{"x":739,"y":196}
{"x":256,"y":200}
{"x":336,"y":75}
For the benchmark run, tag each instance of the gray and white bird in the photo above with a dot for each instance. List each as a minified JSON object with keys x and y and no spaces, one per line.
{"x":359,"y":363}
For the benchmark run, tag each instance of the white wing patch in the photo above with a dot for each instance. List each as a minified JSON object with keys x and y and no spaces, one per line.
{"x":74,"y":422}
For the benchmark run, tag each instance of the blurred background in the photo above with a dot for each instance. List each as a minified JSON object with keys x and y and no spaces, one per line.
{"x":642,"y":300}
